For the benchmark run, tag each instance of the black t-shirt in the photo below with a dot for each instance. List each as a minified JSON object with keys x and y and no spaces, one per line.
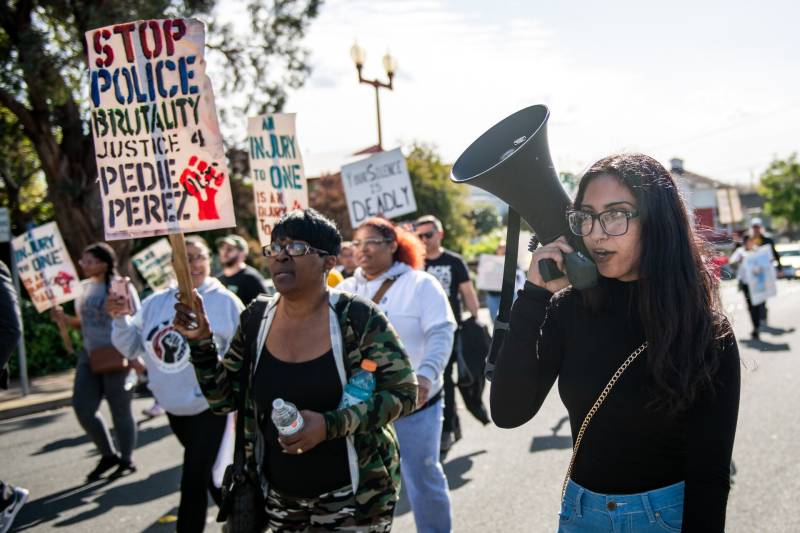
{"x":628,"y":447}
{"x":451,"y":271}
{"x":246,"y":284}
{"x":312,"y":385}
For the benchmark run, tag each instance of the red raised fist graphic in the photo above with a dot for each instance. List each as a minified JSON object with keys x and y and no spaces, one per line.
{"x":63,"y":280}
{"x":202,"y":183}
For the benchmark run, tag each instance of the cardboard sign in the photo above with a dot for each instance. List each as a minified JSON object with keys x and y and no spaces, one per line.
{"x":378,"y":185}
{"x":161,"y":163}
{"x":5,"y":225}
{"x":490,"y":272}
{"x":760,"y":274}
{"x":45,"y":267}
{"x":154,"y":263}
{"x":276,"y":168}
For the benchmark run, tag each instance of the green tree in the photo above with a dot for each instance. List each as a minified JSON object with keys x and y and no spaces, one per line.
{"x":437,"y":195}
{"x":485,"y":218}
{"x":43,"y":71}
{"x":780,"y":187}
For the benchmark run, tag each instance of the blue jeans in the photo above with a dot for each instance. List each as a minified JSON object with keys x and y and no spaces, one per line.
{"x":584,"y":511}
{"x":419,"y":435}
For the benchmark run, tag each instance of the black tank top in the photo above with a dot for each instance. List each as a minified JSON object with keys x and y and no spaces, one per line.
{"x":313,"y":385}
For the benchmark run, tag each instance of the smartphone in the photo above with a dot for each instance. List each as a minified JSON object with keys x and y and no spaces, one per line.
{"x":119,"y":288}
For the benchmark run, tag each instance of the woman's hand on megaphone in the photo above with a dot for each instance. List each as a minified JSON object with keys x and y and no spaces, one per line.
{"x":555,"y":251}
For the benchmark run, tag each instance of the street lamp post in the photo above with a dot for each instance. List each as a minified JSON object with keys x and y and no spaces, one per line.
{"x":389,"y":65}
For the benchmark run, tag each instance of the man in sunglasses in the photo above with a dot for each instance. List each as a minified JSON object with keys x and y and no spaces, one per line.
{"x":238,"y":277}
{"x":451,"y":271}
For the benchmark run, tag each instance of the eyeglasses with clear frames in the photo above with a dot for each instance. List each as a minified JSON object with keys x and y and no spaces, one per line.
{"x":371,"y":243}
{"x":293,"y":249}
{"x":614,"y":222}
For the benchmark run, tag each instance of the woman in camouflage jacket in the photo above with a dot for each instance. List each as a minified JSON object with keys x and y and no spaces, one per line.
{"x":303,"y":243}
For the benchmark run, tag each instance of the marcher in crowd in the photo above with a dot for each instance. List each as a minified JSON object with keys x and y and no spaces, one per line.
{"x":149,"y":333}
{"x":760,"y":239}
{"x":98,"y":264}
{"x":341,"y":471}
{"x":451,"y":271}
{"x":12,"y":498}
{"x":238,"y":277}
{"x":390,"y":260}
{"x":347,"y":260}
{"x":738,"y":258}
{"x":657,"y":454}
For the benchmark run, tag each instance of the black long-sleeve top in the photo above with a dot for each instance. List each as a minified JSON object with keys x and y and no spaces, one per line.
{"x":629,"y":446}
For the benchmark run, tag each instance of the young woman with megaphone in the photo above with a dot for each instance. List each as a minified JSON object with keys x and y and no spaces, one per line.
{"x":647,"y":364}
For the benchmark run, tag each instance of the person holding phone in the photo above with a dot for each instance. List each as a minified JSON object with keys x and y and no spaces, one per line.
{"x":98,"y":263}
{"x":656,"y":454}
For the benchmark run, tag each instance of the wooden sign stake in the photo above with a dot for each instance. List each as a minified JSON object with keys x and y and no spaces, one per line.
{"x":180,"y":263}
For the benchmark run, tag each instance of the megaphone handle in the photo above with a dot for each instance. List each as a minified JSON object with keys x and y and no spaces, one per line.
{"x":506,"y":293}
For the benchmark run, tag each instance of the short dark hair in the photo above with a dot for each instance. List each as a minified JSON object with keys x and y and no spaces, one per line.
{"x":197,"y":240}
{"x":311,"y":226}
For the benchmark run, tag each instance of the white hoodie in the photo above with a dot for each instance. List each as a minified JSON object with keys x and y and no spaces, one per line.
{"x":149,"y":333}
{"x":417,"y":306}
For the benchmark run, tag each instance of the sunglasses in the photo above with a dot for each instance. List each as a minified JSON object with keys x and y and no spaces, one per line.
{"x":426,"y":235}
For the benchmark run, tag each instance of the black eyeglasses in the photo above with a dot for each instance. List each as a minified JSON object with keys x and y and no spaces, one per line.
{"x":293,"y":249}
{"x":614,"y":221}
{"x":426,"y":235}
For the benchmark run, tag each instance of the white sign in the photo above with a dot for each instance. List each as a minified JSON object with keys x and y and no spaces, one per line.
{"x":490,"y":272}
{"x":154,"y":263}
{"x":760,"y":274}
{"x":5,"y":225}
{"x":276,"y":168}
{"x":378,"y":185}
{"x":45,"y":267}
{"x":161,"y":163}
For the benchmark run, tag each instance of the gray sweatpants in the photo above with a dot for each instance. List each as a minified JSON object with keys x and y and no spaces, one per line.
{"x":87,"y":393}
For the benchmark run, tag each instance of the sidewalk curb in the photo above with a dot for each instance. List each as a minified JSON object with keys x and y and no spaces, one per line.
{"x":60,"y":400}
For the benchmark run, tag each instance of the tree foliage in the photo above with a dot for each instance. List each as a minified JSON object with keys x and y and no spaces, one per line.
{"x":437,"y":195}
{"x":780,"y":187}
{"x":43,"y":83}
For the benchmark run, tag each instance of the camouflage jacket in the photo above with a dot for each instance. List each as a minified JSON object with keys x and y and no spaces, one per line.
{"x":359,"y":330}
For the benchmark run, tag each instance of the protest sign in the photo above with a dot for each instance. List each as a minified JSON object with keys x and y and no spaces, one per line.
{"x":378,"y":185}
{"x":45,"y":267}
{"x":5,"y":225}
{"x":154,"y":263}
{"x":760,"y":274}
{"x":490,"y":272}
{"x":276,"y":168}
{"x":160,"y":159}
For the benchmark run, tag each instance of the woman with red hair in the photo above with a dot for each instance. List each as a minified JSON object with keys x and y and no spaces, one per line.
{"x":389,"y":273}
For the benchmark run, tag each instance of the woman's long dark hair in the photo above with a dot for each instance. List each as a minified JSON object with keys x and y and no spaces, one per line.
{"x":105,"y":254}
{"x":678,"y":298}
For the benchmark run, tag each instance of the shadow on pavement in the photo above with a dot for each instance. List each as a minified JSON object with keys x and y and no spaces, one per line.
{"x":776,"y":331}
{"x":454,"y":470}
{"x":109,"y":494}
{"x":764,"y":346}
{"x":145,"y":436}
{"x":28,"y":422}
{"x":554,"y":441}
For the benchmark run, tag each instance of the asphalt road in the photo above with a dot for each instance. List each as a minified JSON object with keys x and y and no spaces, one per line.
{"x":501,"y":480}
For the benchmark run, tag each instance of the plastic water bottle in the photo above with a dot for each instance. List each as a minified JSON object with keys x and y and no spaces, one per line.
{"x":286,"y":417}
{"x":361,"y":385}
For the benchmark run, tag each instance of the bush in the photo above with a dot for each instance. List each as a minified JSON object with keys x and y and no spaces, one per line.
{"x":485,"y":245}
{"x":44,"y":350}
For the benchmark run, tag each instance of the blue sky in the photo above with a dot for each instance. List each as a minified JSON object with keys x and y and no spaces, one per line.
{"x":715,"y":83}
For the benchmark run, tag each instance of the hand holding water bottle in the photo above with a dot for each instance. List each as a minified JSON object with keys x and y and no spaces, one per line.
{"x":299,"y":431}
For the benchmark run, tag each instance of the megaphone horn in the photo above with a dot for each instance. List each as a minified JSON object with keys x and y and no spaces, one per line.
{"x":512,"y":162}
